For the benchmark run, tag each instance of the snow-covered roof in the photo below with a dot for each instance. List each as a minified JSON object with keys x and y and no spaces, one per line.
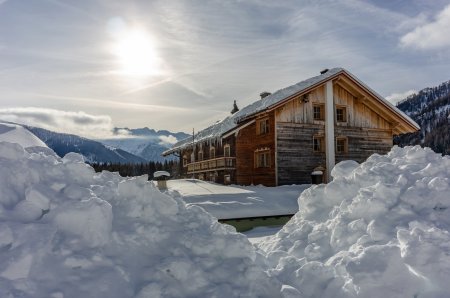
{"x":158,"y":174}
{"x":216,"y":130}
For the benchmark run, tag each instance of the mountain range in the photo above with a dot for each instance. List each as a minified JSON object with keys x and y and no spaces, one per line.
{"x":127,"y":145}
{"x":430,"y":108}
{"x":144,"y":142}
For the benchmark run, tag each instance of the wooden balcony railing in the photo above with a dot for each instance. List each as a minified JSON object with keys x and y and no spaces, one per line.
{"x":220,"y":163}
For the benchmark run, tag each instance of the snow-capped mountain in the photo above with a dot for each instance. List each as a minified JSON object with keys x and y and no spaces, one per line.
{"x":93,"y":151}
{"x":144,"y":142}
{"x":430,"y":108}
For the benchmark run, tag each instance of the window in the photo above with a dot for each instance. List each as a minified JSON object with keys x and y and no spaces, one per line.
{"x":341,"y":145}
{"x":185,"y":161}
{"x":226,"y":151}
{"x":262,"y":159}
{"x":318,"y":112}
{"x":341,"y":114}
{"x":200,"y":155}
{"x":262,"y":126}
{"x":212,"y":152}
{"x":318,"y":144}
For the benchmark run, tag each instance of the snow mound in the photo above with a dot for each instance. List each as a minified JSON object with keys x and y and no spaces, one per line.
{"x":380,"y":229}
{"x":14,"y":133}
{"x":66,"y":231}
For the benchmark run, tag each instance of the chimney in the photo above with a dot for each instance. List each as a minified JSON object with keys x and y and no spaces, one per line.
{"x":264,"y":94}
{"x":235,"y":108}
{"x":324,"y":71}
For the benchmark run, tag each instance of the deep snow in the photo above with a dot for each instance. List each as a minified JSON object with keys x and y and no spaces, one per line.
{"x":380,"y":229}
{"x":66,"y":231}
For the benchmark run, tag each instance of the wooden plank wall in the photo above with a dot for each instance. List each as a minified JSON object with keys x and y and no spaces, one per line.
{"x":246,"y":144}
{"x":363,"y":142}
{"x":296,"y":158}
{"x":358,"y":114}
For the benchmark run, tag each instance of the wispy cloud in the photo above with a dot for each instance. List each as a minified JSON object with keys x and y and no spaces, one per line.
{"x":432,"y":35}
{"x":79,"y":123}
{"x":167,"y":140}
{"x":395,"y":97}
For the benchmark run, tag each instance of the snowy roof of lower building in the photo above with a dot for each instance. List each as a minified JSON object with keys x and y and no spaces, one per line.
{"x":218,"y":129}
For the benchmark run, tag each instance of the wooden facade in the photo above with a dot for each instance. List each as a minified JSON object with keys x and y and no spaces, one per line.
{"x":286,"y":141}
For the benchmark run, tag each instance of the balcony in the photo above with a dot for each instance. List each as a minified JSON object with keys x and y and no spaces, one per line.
{"x":215,"y":164}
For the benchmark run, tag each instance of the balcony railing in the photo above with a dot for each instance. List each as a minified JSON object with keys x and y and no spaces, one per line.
{"x":215,"y":164}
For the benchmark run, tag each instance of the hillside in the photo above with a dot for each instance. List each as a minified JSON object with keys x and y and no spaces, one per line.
{"x":93,"y":151}
{"x":430,"y":108}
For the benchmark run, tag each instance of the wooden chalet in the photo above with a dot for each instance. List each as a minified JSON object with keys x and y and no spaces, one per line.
{"x":285,"y":136}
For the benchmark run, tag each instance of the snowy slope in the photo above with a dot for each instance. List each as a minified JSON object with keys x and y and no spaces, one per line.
{"x":144,"y":142}
{"x":380,"y":229}
{"x":66,"y":231}
{"x":93,"y":151}
{"x":15,"y":133}
{"x":226,"y":202}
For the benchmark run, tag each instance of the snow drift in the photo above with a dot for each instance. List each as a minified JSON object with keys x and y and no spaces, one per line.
{"x":380,"y":229}
{"x":66,"y":231}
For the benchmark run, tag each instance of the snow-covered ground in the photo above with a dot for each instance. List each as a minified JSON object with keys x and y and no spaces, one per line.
{"x":225,"y":202}
{"x":380,"y":229}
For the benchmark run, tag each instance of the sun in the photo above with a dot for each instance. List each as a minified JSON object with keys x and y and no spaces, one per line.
{"x":136,"y":54}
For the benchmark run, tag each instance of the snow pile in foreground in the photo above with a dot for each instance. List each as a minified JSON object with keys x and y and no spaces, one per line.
{"x":380,"y":229}
{"x":66,"y":231}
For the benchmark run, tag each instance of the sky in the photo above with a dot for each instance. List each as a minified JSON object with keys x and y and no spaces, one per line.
{"x":87,"y":66}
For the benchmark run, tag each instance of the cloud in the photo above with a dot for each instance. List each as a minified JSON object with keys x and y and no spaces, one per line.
{"x":79,"y":123}
{"x":167,"y":140}
{"x":396,"y":97}
{"x":433,"y":35}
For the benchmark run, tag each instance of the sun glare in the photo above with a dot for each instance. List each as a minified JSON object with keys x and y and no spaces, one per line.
{"x":136,"y":54}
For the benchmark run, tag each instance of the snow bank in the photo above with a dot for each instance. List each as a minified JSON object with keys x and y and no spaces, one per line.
{"x":66,"y":231}
{"x":14,"y":133}
{"x":380,"y":229}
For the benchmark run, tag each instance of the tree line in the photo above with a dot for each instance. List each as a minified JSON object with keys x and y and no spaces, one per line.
{"x":131,"y":170}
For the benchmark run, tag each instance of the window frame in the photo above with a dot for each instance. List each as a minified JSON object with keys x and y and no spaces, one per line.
{"x":265,"y":162}
{"x":263,"y":126}
{"x":321,"y":113}
{"x":200,"y":155}
{"x":345,"y":145}
{"x":344,"y":114}
{"x":227,"y":149}
{"x":212,"y":152}
{"x":318,"y":140}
